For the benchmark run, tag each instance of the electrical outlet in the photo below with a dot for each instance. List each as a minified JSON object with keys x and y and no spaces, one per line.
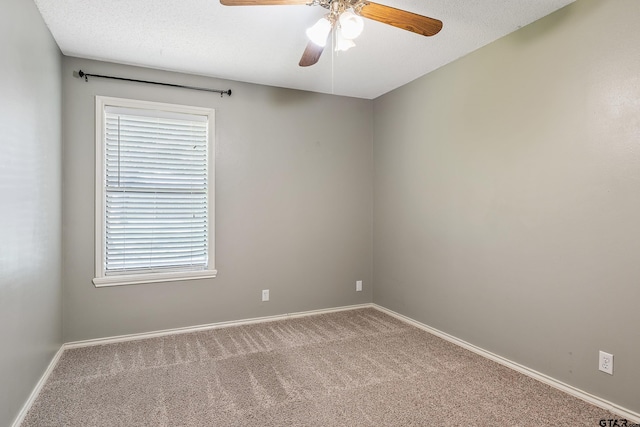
{"x":358,"y":285}
{"x":265,"y":295}
{"x":605,"y":363}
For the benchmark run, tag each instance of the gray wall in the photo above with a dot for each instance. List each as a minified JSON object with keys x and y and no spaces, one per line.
{"x":507,"y":197}
{"x":293,"y":205}
{"x":30,"y":223}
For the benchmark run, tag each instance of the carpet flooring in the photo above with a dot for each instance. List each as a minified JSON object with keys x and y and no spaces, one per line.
{"x":351,"y":368}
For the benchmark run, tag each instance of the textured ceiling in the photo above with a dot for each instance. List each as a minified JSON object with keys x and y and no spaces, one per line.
{"x":263,"y":44}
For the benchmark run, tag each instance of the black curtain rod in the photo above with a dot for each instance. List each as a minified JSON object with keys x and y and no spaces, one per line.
{"x":87,"y":75}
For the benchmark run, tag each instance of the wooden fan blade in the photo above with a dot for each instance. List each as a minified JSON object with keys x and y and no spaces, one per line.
{"x":263,"y":2}
{"x":402,"y":19}
{"x":311,"y":54}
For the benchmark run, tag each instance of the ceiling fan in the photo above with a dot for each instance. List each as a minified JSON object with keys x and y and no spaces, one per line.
{"x":345,"y":17}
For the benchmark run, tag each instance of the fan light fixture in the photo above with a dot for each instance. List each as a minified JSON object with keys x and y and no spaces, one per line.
{"x":348,"y":26}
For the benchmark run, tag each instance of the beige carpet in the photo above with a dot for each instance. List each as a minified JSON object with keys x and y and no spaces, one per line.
{"x":352,"y":368}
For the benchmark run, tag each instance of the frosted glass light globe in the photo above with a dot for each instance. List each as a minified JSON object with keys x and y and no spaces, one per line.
{"x":351,"y":25}
{"x":319,"y":32}
{"x":343,"y":44}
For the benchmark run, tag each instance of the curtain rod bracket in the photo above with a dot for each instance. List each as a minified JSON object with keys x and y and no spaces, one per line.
{"x":86,"y":76}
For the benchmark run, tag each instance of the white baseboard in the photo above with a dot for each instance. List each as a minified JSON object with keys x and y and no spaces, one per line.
{"x":37,"y":388}
{"x":631,"y":416}
{"x":188,"y":329}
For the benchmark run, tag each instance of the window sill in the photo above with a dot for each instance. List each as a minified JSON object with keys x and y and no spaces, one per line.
{"x":137,"y":279}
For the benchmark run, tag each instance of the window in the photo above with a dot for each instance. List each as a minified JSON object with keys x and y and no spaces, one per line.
{"x":154,"y":192}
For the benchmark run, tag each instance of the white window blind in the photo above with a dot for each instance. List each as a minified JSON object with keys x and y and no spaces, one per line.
{"x":156,"y":215}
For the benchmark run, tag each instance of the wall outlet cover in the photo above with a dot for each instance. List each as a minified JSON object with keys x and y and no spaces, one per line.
{"x":605,"y":362}
{"x":358,"y":285}
{"x":265,"y":295}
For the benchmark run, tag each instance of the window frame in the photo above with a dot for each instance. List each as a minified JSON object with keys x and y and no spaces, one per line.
{"x":101,"y":279}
